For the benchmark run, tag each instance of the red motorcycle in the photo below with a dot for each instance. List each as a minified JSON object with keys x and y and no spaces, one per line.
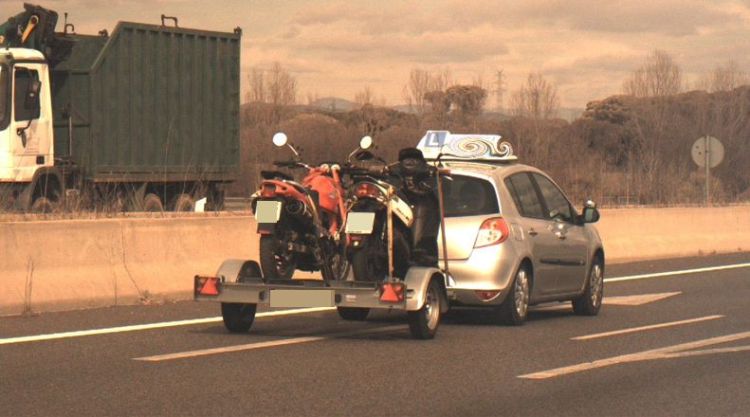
{"x":300,"y":223}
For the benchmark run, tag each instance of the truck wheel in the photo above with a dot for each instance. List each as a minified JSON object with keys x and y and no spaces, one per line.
{"x":43,"y":205}
{"x":514,"y":309}
{"x":590,"y":302}
{"x":276,"y":261}
{"x":353,"y":313}
{"x":238,"y":317}
{"x":183,"y":202}
{"x":423,"y":323}
{"x":152,"y":203}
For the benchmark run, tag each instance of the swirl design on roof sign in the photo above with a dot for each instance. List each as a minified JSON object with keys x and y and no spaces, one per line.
{"x":477,"y":147}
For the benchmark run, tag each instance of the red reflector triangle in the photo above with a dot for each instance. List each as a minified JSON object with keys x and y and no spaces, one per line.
{"x":209,"y":288}
{"x":392,"y":294}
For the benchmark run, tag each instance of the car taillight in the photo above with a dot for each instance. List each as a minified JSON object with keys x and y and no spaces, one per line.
{"x":206,"y":285}
{"x":366,"y":189}
{"x":268,"y":190}
{"x":492,"y":232}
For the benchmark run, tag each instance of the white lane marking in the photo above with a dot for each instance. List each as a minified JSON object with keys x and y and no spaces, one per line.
{"x":140,"y":327}
{"x":678,"y":272}
{"x":704,"y":352}
{"x":660,"y":353}
{"x":260,"y":345}
{"x":638,"y":299}
{"x":150,"y":326}
{"x":649,"y":327}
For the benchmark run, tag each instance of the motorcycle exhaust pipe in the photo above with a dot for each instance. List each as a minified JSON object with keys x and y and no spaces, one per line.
{"x":297,"y":208}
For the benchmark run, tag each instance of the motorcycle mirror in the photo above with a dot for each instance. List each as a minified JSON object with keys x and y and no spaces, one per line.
{"x":365,"y":142}
{"x":279,"y":139}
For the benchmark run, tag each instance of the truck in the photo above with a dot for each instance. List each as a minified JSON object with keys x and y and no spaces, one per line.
{"x":143,"y":119}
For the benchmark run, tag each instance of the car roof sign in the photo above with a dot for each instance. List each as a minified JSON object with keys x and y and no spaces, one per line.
{"x":465,"y":147}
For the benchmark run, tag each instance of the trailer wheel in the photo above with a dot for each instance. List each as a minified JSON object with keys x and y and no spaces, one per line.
{"x":183,"y":202}
{"x":353,"y":313}
{"x":152,"y":202}
{"x":238,"y":317}
{"x":423,"y":323}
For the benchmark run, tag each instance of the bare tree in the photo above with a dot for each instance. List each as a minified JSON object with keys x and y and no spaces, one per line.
{"x":724,"y":77}
{"x":364,"y":97}
{"x":257,"y":91}
{"x":659,"y":76}
{"x":537,"y":99}
{"x":499,"y":90}
{"x":281,"y":86}
{"x":422,"y":82}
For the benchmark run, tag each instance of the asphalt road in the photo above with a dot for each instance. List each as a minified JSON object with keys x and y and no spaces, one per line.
{"x":694,"y":359}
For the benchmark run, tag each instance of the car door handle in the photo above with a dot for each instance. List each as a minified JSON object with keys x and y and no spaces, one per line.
{"x":533,"y":232}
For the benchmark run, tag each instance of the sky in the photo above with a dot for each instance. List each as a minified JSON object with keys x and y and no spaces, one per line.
{"x":337,"y":48}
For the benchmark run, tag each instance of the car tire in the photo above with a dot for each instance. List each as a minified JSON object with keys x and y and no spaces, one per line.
{"x":515,"y":308}
{"x":152,"y":203}
{"x":590,"y":302}
{"x":423,"y":323}
{"x":183,"y":202}
{"x":44,"y":205}
{"x":353,"y":313}
{"x":238,"y":317}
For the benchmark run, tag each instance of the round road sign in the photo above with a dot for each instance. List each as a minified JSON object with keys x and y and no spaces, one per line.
{"x":710,"y":145}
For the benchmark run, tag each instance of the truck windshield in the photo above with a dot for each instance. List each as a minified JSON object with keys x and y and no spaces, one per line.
{"x":4,"y":97}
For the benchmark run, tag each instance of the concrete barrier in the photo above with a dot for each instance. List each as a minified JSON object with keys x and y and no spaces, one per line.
{"x":68,"y":264}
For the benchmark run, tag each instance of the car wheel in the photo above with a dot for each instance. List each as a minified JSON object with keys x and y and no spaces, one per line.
{"x":514,"y":309}
{"x":423,"y":323}
{"x":590,"y":302}
{"x":353,"y":313}
{"x":238,"y":317}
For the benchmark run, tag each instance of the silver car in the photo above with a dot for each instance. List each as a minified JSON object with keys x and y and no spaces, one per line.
{"x":513,"y":237}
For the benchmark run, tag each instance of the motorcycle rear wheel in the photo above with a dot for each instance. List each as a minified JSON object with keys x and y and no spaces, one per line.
{"x":276,"y":261}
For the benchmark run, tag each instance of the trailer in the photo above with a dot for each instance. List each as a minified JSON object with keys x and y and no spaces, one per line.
{"x":240,"y":288}
{"x":146,"y":117}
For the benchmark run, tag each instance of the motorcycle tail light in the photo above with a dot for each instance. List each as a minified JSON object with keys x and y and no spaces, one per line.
{"x":268,"y":190}
{"x":366,"y":189}
{"x":492,"y":232}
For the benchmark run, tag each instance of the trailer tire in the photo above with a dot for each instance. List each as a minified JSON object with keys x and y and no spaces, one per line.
{"x":152,"y":203}
{"x":238,"y":317}
{"x":423,"y":323}
{"x":183,"y":202}
{"x":353,"y":313}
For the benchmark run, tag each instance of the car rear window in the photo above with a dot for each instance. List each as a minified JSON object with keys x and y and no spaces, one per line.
{"x":469,"y":196}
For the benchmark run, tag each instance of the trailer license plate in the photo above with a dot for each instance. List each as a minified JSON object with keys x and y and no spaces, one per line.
{"x":360,"y":223}
{"x":268,"y":211}
{"x":302,"y":298}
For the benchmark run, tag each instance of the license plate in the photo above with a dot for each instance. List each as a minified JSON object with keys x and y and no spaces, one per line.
{"x":360,"y":223}
{"x":268,"y":211}
{"x":302,"y":298}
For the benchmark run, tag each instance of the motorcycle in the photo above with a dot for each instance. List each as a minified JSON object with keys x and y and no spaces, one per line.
{"x":299,"y":224}
{"x":382,"y":219}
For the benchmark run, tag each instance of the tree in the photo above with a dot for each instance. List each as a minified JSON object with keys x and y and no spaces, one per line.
{"x":466,"y":100}
{"x":724,"y":77}
{"x":364,"y":97}
{"x":659,"y":76}
{"x":281,"y":86}
{"x":257,"y":91}
{"x":422,"y":82}
{"x":537,"y":99}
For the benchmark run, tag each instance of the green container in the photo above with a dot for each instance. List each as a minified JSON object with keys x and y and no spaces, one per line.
{"x":149,"y":103}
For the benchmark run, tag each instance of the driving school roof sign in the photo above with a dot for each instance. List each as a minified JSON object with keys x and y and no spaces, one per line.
{"x":465,"y":147}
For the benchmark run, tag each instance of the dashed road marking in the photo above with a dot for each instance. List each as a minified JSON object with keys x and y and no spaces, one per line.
{"x":260,"y":345}
{"x":669,"y":352}
{"x":638,"y":299}
{"x":645,"y":328}
{"x":678,"y":272}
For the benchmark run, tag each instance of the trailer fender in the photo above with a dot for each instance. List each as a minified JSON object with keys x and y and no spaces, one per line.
{"x":239,"y":270}
{"x":417,"y":279}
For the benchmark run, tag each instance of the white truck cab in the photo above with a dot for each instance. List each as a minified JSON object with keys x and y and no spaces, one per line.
{"x":26,"y":142}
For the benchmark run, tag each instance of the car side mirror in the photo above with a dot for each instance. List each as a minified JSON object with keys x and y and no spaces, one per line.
{"x":590,"y":212}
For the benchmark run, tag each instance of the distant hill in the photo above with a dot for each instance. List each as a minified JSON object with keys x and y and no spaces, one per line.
{"x":333,"y":104}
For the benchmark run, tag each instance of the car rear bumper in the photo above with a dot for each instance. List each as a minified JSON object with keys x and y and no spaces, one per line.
{"x":487,"y":269}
